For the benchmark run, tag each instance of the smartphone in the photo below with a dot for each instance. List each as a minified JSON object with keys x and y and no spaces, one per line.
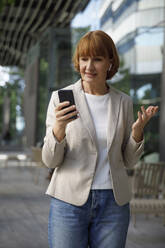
{"x":67,"y":95}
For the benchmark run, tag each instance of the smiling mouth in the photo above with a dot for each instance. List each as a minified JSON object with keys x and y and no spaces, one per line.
{"x":90,"y":74}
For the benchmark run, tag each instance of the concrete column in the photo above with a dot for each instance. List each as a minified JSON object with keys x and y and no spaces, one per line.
{"x":55,"y":49}
{"x":30,"y":95}
{"x":60,"y":73}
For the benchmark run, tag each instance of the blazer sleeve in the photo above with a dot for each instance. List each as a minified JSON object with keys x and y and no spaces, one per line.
{"x":52,"y":151}
{"x":132,"y":150}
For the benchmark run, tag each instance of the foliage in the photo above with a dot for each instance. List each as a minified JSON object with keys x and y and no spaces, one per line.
{"x":123,"y":83}
{"x":14,"y":90}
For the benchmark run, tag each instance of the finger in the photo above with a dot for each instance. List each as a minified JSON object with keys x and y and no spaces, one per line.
{"x":149,"y":109}
{"x":61,"y":105}
{"x":152,"y":110}
{"x":143,"y":112}
{"x":67,"y":109}
{"x":155,"y":109}
{"x":68,"y":116}
{"x":139,"y":116}
{"x":64,"y":111}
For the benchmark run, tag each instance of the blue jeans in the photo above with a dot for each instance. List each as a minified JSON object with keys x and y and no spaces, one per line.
{"x":99,"y":223}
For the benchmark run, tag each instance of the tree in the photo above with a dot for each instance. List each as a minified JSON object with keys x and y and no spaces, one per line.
{"x":14,"y":90}
{"x":122,"y":81}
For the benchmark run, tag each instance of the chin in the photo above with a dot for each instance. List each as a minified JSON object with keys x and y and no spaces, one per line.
{"x":89,"y":80}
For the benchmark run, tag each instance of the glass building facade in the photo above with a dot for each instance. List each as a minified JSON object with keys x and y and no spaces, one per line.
{"x":137,"y":28}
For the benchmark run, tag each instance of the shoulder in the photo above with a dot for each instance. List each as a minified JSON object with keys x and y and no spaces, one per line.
{"x":68,"y":87}
{"x":71,"y":86}
{"x":124,"y":96}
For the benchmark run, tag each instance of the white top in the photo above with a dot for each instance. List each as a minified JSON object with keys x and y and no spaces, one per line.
{"x":98,"y":106}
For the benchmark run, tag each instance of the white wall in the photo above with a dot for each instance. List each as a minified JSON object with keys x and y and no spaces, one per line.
{"x":146,"y":4}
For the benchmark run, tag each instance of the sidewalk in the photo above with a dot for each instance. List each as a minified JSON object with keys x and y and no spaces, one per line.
{"x":24,"y":214}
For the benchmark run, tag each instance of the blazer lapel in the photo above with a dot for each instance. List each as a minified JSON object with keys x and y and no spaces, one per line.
{"x":113,"y":115}
{"x":84,"y":111}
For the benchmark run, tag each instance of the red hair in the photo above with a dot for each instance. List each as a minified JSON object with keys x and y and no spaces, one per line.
{"x":97,"y":43}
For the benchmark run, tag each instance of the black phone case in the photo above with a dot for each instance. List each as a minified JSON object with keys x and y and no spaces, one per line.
{"x":67,"y":95}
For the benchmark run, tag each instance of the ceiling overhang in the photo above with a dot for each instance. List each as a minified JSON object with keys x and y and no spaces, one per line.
{"x":23,"y":23}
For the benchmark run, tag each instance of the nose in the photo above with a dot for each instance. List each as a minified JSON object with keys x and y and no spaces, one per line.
{"x":90,"y":64}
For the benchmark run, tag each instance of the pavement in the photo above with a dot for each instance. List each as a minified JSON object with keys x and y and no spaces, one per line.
{"x":24,"y":210}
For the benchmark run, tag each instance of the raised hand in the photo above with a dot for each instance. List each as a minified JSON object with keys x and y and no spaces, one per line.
{"x":142,"y":120}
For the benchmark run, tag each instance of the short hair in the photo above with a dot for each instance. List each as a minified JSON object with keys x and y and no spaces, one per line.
{"x":97,"y":43}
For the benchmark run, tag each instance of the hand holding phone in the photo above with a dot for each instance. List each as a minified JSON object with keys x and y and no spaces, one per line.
{"x":65,"y":113}
{"x":67,"y":95}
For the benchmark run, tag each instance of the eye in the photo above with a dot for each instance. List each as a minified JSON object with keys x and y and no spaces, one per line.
{"x":83,"y":58}
{"x":98,"y":59}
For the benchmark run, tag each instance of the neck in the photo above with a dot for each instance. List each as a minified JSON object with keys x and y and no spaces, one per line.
{"x":92,"y":88}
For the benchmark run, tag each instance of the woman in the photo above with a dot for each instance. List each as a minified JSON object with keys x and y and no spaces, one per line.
{"x":89,"y":188}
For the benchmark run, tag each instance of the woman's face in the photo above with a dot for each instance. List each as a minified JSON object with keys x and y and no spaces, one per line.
{"x":94,"y":69}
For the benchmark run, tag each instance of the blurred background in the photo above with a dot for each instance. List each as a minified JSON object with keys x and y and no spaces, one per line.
{"x":37,"y":41}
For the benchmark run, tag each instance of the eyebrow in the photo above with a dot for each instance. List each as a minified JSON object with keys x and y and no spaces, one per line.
{"x":92,"y":56}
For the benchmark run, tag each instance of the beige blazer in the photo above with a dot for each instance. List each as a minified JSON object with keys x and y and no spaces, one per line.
{"x":74,"y":159}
